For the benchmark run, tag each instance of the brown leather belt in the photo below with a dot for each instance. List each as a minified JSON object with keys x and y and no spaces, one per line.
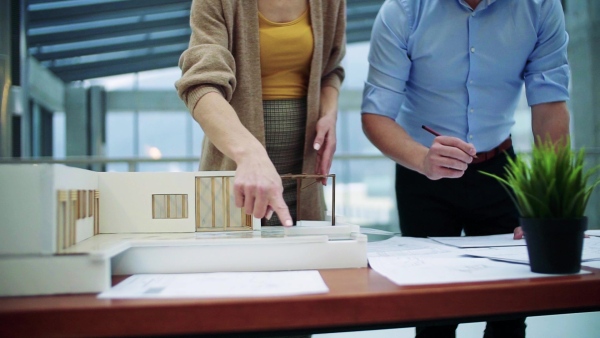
{"x":488,"y":155}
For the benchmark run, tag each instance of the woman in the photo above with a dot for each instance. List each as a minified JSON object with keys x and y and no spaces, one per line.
{"x":262,"y":79}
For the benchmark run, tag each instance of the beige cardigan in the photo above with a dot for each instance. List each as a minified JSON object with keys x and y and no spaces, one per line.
{"x":224,"y":57}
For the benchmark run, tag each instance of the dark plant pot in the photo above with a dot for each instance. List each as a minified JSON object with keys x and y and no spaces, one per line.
{"x":554,"y":245}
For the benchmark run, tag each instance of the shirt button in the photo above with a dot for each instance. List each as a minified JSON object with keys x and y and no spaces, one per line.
{"x":472,"y":110}
{"x":470,"y":81}
{"x":470,"y":137}
{"x":472,"y":49}
{"x":473,"y":14}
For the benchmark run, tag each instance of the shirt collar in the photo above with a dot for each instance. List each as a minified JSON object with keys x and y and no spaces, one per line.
{"x":482,"y":5}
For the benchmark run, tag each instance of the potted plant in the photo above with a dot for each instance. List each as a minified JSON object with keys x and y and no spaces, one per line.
{"x":551,"y":191}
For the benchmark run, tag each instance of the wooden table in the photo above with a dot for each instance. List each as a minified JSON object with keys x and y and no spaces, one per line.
{"x":358,"y":299}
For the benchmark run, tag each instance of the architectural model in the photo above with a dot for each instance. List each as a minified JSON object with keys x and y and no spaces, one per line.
{"x":67,"y":230}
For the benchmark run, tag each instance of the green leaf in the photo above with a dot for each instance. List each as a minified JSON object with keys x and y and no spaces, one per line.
{"x":552,"y":182}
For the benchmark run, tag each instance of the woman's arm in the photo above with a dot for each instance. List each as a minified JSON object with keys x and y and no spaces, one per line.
{"x":325,"y":141}
{"x":333,"y":75}
{"x":207,"y":84}
{"x":258,"y":187}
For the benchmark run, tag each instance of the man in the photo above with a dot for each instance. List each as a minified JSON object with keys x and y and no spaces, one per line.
{"x":457,"y":67}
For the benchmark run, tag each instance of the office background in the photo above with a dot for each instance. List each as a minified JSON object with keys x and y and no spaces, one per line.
{"x":90,"y":83}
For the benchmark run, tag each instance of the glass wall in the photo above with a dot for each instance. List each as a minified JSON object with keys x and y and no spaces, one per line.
{"x":364,"y":178}
{"x":154,"y":135}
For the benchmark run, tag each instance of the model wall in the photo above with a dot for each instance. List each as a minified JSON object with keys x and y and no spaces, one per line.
{"x":126,"y":202}
{"x":28,"y":205}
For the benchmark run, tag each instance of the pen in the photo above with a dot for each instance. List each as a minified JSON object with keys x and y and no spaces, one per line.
{"x":438,"y":134}
{"x":431,"y":130}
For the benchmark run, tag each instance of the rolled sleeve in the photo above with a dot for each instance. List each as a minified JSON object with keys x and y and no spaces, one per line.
{"x":548,"y":86}
{"x":381,"y":101}
{"x":389,"y":63}
{"x":547,"y":72}
{"x":207,"y":65}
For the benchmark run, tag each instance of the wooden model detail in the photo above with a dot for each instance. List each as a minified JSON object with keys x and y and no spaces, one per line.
{"x":169,"y":206}
{"x":62,"y":219}
{"x":90,"y":211}
{"x":96,"y":211}
{"x":300,"y":177}
{"x":215,"y":206}
{"x":72,"y":206}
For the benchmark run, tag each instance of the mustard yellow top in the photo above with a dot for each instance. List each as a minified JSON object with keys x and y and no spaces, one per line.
{"x":286,"y":51}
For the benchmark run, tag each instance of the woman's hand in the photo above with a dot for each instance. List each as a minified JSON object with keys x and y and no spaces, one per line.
{"x":257,"y":185}
{"x":325,"y":144}
{"x":259,"y":190}
{"x":325,"y":141}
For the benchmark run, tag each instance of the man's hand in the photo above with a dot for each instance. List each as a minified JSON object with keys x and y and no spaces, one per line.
{"x":518,"y":233}
{"x":448,"y":157}
{"x":259,"y":190}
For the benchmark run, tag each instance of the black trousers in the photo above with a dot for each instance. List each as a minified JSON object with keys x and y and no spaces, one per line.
{"x":475,"y":203}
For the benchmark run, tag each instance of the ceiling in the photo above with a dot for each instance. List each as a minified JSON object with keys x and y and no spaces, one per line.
{"x":84,"y":39}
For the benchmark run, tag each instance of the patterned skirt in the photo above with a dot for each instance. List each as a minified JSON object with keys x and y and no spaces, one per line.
{"x":285,"y":127}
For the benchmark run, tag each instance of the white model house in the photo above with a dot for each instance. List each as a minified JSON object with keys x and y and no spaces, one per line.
{"x":67,"y":230}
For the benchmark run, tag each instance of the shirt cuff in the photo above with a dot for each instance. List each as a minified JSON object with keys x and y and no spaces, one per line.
{"x":333,"y":80}
{"x":195,"y":94}
{"x":548,"y":86}
{"x":380,"y":101}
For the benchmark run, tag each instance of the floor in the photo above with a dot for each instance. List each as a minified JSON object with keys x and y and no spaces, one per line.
{"x":580,"y":325}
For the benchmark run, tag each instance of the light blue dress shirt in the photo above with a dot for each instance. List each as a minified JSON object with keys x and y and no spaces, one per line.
{"x":460,"y":71}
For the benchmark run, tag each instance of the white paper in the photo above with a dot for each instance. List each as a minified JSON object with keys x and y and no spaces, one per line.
{"x":480,"y":241}
{"x":591,"y":251}
{"x":411,"y":261}
{"x":595,"y":232}
{"x":507,"y":254}
{"x":591,"y":264}
{"x":409,"y":246}
{"x":413,"y":270}
{"x":219,"y":284}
